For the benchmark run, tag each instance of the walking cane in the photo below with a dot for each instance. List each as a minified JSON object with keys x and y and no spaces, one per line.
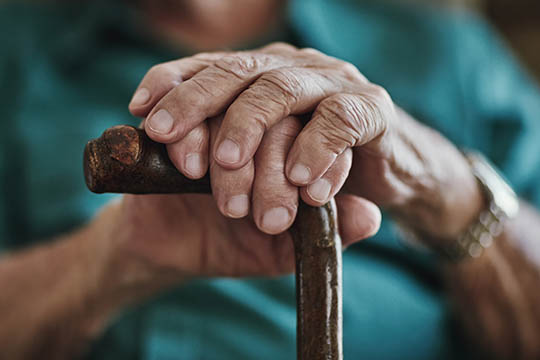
{"x":125,"y":160}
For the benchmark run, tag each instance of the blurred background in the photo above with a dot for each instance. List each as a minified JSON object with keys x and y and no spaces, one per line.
{"x":517,"y":20}
{"x":95,"y":62}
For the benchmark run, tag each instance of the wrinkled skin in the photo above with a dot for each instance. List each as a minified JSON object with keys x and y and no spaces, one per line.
{"x":393,"y":163}
{"x":188,"y":234}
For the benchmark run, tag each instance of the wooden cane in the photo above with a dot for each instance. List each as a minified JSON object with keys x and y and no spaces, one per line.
{"x":125,"y":160}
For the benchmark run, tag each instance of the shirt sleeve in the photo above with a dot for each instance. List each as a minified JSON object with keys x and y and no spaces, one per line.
{"x":505,"y":100}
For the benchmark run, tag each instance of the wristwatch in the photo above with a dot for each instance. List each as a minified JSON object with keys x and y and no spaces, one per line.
{"x":503,"y":204}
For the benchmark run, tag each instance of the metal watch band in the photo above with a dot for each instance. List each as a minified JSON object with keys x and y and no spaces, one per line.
{"x":503,"y":204}
{"x":478,"y":236}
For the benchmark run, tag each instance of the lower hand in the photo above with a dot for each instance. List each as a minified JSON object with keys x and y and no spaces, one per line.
{"x":187,"y":236}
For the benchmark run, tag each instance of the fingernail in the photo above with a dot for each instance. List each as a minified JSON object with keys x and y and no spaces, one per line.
{"x":193,"y":164}
{"x":140,"y":97}
{"x":275,"y":220}
{"x":228,"y":152}
{"x":368,"y":224}
{"x":300,"y":174}
{"x":319,"y":190}
{"x":161,"y":122}
{"x":375,"y":224}
{"x":238,"y":206}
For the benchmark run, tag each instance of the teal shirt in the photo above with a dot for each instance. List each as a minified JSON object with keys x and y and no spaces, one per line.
{"x":67,"y":72}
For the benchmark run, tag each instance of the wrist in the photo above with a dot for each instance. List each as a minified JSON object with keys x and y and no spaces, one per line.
{"x":499,"y":204}
{"x":100,"y":283}
{"x":443,"y":196}
{"x":460,"y":203}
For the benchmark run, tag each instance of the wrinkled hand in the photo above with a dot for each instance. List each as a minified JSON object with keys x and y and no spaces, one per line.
{"x":397,"y":161}
{"x":256,"y":90}
{"x":187,"y":233}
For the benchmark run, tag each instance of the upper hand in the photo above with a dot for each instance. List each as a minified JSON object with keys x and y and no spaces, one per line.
{"x":256,"y":90}
{"x":394,"y":160}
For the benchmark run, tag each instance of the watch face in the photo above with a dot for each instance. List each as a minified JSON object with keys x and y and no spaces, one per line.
{"x":507,"y":202}
{"x":502,"y":195}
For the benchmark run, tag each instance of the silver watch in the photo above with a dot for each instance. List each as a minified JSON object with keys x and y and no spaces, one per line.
{"x":503,"y":205}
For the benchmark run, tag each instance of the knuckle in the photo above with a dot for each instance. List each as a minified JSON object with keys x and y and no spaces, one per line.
{"x":192,"y":100}
{"x":311,"y":51}
{"x":282,"y":84}
{"x":201,"y":90}
{"x":351,"y":72}
{"x":202,"y":55}
{"x":343,"y":124}
{"x":242,"y":66}
{"x":381,"y":95}
{"x":256,"y":105}
{"x":163,"y":74}
{"x":157,"y":70}
{"x":280,"y":46}
{"x":335,"y":140}
{"x":379,"y":104}
{"x":206,"y":56}
{"x":269,"y":98}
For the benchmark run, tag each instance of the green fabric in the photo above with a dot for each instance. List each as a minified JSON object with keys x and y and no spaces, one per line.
{"x":67,"y":72}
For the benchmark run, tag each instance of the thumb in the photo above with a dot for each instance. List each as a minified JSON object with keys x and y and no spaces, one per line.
{"x":358,"y":218}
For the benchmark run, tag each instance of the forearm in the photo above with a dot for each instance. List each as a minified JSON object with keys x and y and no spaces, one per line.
{"x":496,"y":296}
{"x":44,"y":307}
{"x":57,"y":298}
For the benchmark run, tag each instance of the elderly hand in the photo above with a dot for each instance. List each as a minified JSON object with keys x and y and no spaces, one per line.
{"x":187,"y":236}
{"x":398,"y":163}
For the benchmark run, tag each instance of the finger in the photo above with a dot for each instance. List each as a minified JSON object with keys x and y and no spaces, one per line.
{"x":275,"y":199}
{"x":358,"y":218}
{"x":339,"y":122}
{"x":161,"y":79}
{"x":274,"y":96}
{"x":206,"y":94}
{"x":231,"y":188}
{"x":323,"y":189}
{"x":190,"y":155}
